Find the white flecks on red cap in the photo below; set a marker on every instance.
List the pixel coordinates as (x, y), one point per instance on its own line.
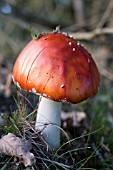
(78, 43)
(33, 90)
(70, 43)
(44, 95)
(62, 86)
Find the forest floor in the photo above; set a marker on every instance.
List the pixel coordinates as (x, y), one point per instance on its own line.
(86, 139)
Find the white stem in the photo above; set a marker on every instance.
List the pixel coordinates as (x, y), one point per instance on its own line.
(49, 113)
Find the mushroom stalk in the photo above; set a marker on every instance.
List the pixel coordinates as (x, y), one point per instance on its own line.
(48, 121)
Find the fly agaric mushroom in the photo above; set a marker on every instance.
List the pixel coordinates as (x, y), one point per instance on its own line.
(60, 69)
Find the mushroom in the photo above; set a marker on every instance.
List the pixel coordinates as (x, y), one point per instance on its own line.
(60, 69)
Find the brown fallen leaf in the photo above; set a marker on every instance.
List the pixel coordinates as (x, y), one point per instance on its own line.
(15, 146)
(73, 118)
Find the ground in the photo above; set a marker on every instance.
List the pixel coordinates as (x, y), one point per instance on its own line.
(86, 143)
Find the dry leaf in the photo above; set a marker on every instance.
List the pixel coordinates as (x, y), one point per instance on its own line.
(15, 146)
(73, 118)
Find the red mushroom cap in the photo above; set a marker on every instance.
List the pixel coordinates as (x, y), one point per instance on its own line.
(57, 67)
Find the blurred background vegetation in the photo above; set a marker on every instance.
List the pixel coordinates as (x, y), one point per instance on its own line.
(91, 22)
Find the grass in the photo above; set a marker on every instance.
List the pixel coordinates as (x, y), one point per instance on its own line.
(88, 146)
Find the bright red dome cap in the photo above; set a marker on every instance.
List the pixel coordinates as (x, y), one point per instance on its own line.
(57, 67)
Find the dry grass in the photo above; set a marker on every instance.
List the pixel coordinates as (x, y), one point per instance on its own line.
(83, 147)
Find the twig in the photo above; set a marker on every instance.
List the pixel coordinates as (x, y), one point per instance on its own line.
(98, 30)
(106, 15)
(92, 34)
(106, 73)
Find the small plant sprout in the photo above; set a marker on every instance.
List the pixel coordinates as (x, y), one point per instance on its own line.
(34, 35)
(58, 69)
